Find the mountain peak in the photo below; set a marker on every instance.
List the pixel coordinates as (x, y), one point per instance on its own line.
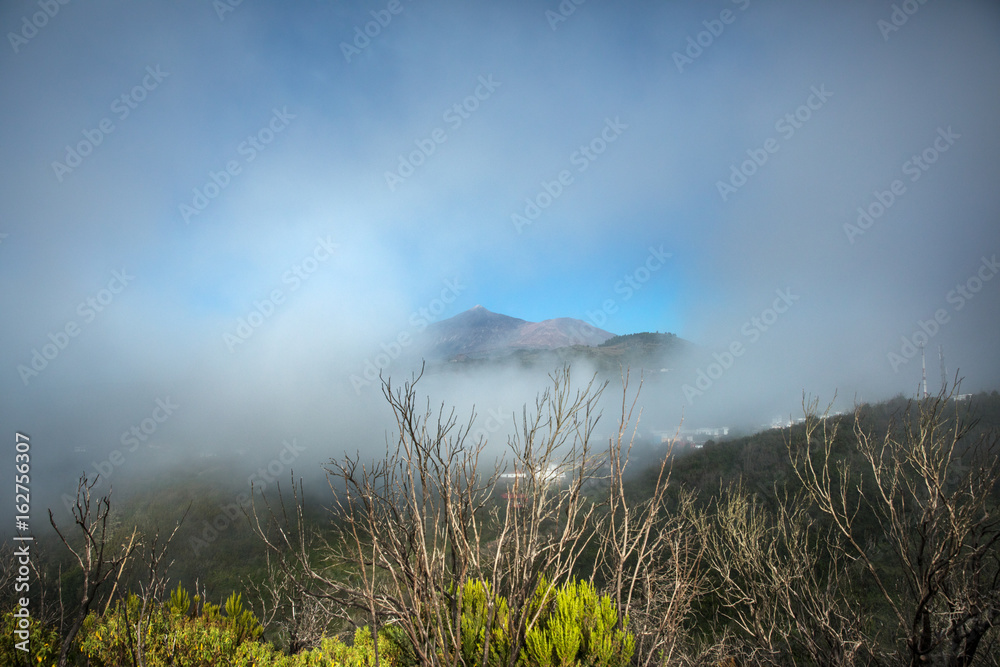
(479, 331)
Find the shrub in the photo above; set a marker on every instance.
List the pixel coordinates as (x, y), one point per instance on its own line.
(168, 635)
(577, 627)
(176, 635)
(475, 618)
(43, 643)
(574, 626)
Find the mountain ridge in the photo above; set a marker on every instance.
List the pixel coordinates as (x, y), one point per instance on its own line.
(481, 332)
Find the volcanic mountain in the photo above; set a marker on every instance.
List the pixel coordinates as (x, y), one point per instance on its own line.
(478, 332)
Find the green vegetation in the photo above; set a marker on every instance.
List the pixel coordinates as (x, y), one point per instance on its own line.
(575, 626)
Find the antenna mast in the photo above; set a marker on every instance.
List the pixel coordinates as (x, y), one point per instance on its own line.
(944, 371)
(923, 364)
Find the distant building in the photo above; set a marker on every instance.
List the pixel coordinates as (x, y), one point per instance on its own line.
(694, 437)
(551, 474)
(702, 433)
(783, 422)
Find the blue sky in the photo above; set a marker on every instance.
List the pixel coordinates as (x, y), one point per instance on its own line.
(668, 122)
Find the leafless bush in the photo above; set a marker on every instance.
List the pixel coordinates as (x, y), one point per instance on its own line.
(931, 494)
(784, 582)
(414, 527)
(98, 559)
(301, 620)
(650, 556)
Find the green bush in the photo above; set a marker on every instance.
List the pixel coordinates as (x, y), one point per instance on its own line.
(43, 643)
(475, 616)
(242, 622)
(575, 626)
(173, 634)
(168, 634)
(180, 601)
(392, 646)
